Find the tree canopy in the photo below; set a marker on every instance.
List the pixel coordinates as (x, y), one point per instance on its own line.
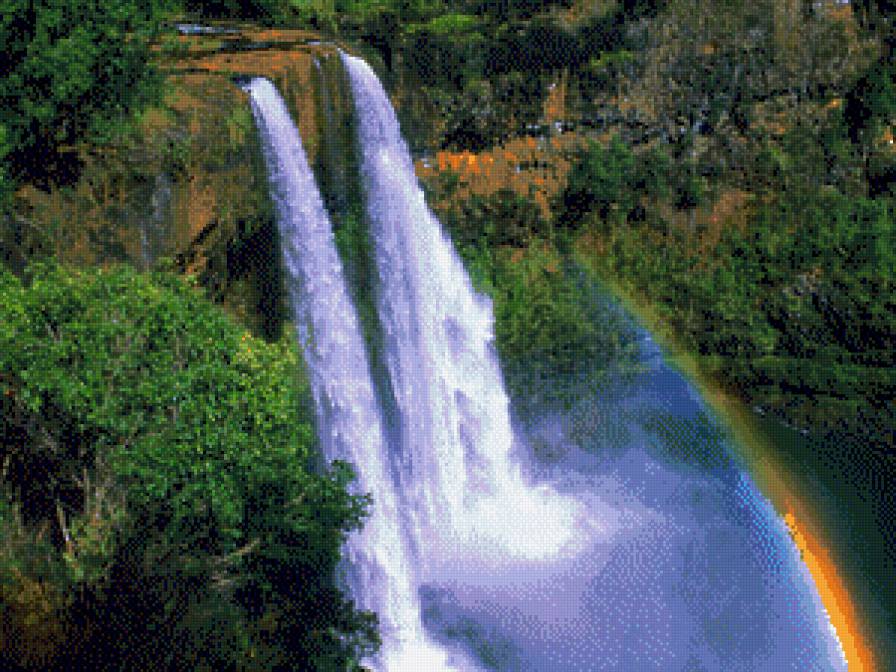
(158, 486)
(72, 70)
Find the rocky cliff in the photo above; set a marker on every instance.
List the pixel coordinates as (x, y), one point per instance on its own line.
(185, 187)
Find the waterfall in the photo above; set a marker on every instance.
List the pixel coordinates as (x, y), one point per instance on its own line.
(348, 419)
(150, 224)
(635, 566)
(468, 497)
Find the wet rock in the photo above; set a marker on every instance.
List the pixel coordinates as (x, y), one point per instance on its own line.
(187, 189)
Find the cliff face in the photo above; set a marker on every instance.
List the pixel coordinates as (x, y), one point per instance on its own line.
(186, 189)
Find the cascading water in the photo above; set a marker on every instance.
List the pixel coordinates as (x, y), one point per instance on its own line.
(601, 576)
(348, 419)
(643, 563)
(469, 497)
(150, 225)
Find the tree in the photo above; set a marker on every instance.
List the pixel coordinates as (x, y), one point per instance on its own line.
(270, 11)
(72, 70)
(871, 103)
(870, 114)
(602, 180)
(157, 480)
(874, 14)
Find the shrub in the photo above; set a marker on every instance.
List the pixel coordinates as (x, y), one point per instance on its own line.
(602, 180)
(269, 11)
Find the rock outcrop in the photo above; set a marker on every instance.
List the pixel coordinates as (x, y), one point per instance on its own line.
(186, 188)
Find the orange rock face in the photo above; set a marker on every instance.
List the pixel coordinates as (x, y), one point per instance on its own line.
(189, 185)
(534, 168)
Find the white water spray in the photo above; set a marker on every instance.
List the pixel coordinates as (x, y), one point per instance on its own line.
(470, 500)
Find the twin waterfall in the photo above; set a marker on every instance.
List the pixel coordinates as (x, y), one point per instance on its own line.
(648, 553)
(349, 424)
(449, 493)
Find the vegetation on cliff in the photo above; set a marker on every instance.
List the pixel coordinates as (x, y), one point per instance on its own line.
(161, 503)
(744, 185)
(554, 337)
(795, 310)
(72, 71)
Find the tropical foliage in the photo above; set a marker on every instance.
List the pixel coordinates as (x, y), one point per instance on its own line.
(72, 70)
(553, 334)
(796, 310)
(160, 494)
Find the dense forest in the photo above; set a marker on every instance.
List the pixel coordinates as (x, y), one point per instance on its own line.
(737, 172)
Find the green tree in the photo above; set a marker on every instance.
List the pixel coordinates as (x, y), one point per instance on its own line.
(269, 11)
(602, 180)
(6, 185)
(157, 478)
(72, 70)
(871, 102)
(875, 14)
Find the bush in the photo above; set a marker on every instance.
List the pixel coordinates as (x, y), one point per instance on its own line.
(871, 102)
(267, 11)
(689, 192)
(447, 25)
(615, 183)
(473, 120)
(602, 180)
(503, 10)
(163, 454)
